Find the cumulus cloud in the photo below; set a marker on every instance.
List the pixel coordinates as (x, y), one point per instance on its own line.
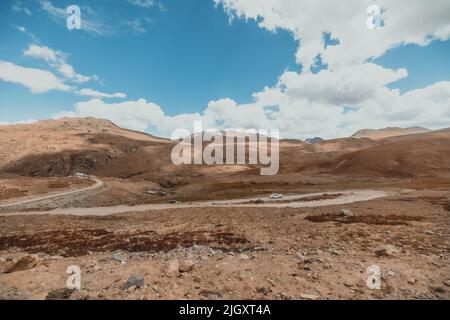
(299, 117)
(283, 107)
(351, 85)
(56, 59)
(36, 80)
(137, 115)
(406, 22)
(298, 111)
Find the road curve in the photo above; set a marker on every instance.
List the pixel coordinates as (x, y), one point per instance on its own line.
(98, 184)
(349, 196)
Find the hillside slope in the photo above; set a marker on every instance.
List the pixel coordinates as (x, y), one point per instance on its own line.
(62, 147)
(402, 156)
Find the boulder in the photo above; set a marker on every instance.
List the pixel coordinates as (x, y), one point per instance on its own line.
(59, 294)
(173, 268)
(119, 257)
(135, 280)
(186, 265)
(309, 296)
(244, 257)
(4, 264)
(387, 250)
(347, 213)
(26, 262)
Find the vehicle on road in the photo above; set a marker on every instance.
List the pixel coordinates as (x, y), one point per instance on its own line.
(276, 196)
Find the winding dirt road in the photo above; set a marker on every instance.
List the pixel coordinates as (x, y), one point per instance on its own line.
(98, 184)
(292, 201)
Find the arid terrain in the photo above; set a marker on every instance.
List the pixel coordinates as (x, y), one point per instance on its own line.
(85, 192)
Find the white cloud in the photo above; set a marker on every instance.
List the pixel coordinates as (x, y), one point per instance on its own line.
(137, 115)
(21, 28)
(300, 117)
(57, 60)
(350, 85)
(42, 52)
(300, 106)
(36, 80)
(98, 94)
(297, 115)
(406, 21)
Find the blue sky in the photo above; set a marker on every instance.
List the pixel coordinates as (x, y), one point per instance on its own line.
(188, 55)
(425, 65)
(193, 58)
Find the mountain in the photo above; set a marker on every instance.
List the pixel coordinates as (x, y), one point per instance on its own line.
(414, 155)
(127, 159)
(61, 147)
(376, 134)
(314, 140)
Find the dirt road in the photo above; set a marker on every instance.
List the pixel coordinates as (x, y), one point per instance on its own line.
(98, 184)
(292, 201)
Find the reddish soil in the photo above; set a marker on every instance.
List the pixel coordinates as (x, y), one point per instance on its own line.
(11, 193)
(78, 242)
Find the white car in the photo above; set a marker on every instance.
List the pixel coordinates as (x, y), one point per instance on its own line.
(276, 196)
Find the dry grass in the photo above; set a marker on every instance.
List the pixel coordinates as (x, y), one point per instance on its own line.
(391, 220)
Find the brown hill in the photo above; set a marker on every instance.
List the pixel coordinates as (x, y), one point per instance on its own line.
(62, 147)
(401, 156)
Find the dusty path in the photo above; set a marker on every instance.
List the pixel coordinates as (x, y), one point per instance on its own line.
(98, 184)
(348, 196)
(296, 201)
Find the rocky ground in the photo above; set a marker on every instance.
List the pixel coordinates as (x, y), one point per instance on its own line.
(235, 253)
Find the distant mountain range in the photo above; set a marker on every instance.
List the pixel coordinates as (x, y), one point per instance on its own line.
(376, 134)
(93, 146)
